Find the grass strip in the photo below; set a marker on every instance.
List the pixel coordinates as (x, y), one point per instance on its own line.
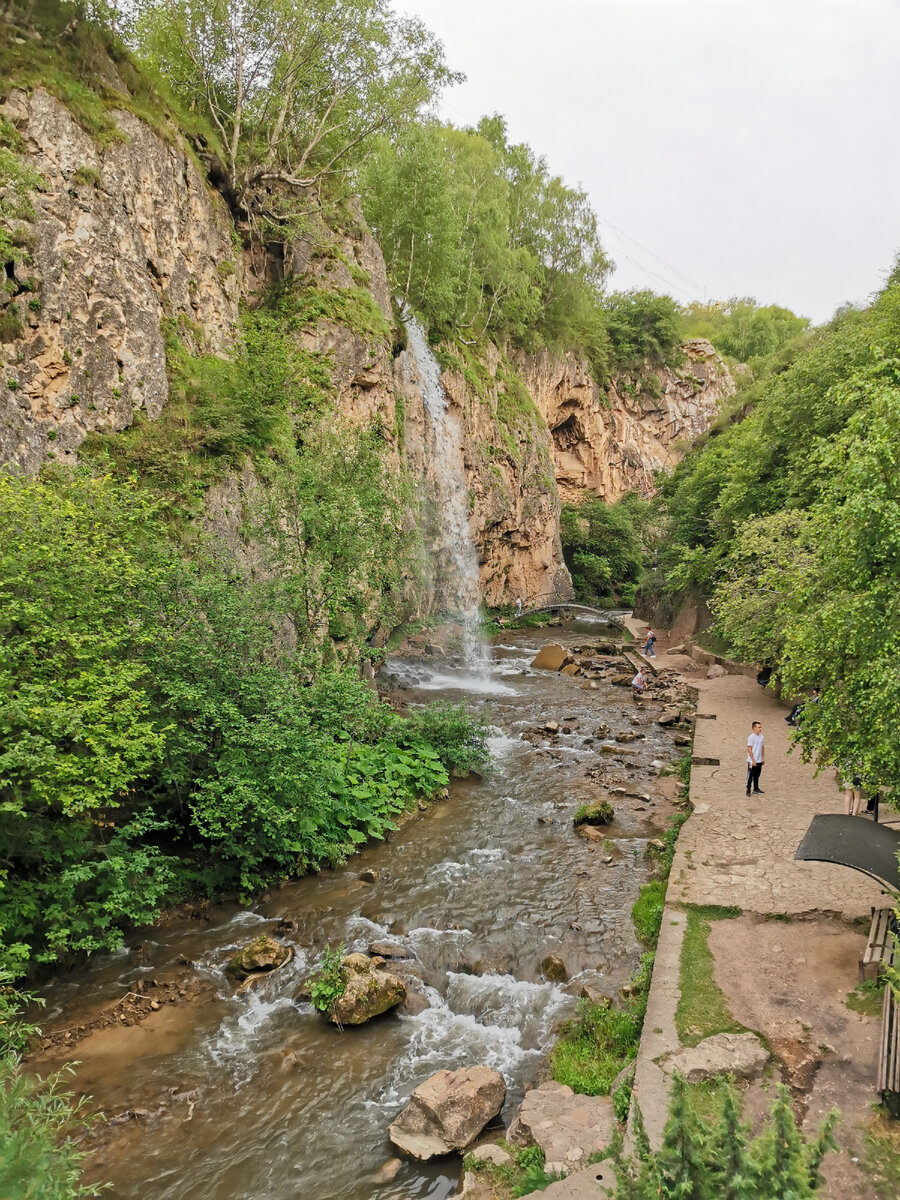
(702, 1009)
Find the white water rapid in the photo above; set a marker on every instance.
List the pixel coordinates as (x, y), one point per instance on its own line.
(448, 473)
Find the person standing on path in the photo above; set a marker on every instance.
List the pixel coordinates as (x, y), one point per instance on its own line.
(649, 652)
(756, 757)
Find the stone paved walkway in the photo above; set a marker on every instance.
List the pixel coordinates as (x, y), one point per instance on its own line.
(739, 851)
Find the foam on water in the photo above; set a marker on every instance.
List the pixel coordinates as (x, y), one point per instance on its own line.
(497, 1021)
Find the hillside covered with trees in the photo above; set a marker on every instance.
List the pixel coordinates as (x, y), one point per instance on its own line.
(789, 521)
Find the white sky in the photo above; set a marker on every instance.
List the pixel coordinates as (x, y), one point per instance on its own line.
(745, 147)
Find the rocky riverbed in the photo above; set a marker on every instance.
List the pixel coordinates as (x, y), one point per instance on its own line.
(470, 900)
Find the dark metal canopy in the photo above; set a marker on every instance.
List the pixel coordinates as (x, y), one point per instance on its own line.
(853, 842)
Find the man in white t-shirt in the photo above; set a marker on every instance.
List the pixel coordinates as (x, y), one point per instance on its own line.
(756, 756)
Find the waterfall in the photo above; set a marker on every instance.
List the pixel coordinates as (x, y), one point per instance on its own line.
(461, 581)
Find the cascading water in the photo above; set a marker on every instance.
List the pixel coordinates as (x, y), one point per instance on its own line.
(448, 471)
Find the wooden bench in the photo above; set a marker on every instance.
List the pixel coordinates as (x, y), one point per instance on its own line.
(881, 946)
(889, 1054)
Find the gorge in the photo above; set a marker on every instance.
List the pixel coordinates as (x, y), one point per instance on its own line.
(301, 389)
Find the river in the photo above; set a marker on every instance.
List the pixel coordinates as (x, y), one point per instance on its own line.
(253, 1095)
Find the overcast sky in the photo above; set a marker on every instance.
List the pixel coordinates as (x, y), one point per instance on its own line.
(730, 147)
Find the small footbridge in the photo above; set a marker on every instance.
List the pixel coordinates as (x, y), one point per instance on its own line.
(612, 616)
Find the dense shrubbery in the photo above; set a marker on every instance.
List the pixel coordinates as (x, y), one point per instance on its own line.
(602, 548)
(162, 734)
(742, 329)
(790, 520)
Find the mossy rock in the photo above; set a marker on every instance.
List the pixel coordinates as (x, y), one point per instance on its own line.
(600, 813)
(262, 954)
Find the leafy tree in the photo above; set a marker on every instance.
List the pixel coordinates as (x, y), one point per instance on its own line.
(789, 519)
(741, 328)
(602, 548)
(295, 88)
(642, 327)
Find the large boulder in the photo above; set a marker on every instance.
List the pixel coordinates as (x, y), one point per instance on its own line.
(448, 1111)
(262, 954)
(740, 1054)
(567, 1127)
(552, 658)
(368, 991)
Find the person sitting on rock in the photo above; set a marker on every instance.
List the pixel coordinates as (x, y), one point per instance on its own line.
(639, 684)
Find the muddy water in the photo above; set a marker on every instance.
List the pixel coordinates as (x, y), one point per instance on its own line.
(253, 1095)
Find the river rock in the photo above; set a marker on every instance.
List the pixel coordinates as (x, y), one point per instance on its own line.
(388, 950)
(568, 1128)
(387, 1172)
(716, 671)
(570, 669)
(554, 970)
(668, 716)
(492, 1153)
(368, 991)
(448, 1111)
(552, 658)
(262, 954)
(741, 1054)
(369, 875)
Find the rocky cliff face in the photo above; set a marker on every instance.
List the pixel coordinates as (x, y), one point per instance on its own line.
(130, 244)
(612, 441)
(124, 238)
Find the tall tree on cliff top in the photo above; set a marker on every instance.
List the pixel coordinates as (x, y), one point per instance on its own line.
(294, 88)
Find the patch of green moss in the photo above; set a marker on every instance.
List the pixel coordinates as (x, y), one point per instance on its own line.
(301, 307)
(92, 73)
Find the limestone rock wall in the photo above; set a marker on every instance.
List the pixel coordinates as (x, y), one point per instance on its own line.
(513, 499)
(129, 239)
(124, 237)
(612, 441)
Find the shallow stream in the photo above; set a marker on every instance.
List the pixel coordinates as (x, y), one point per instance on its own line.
(253, 1095)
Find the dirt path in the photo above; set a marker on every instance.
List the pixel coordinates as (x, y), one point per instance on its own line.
(788, 962)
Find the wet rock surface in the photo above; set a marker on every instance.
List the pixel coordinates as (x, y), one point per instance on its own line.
(261, 955)
(368, 991)
(448, 1111)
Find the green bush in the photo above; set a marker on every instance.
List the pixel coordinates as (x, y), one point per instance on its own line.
(715, 1158)
(161, 737)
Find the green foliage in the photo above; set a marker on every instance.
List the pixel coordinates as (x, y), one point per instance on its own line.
(647, 911)
(602, 548)
(480, 239)
(702, 1008)
(18, 182)
(40, 1122)
(791, 520)
(867, 997)
(742, 329)
(162, 734)
(219, 411)
(882, 1159)
(329, 983)
(523, 1176)
(716, 1159)
(602, 1039)
(643, 329)
(295, 88)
